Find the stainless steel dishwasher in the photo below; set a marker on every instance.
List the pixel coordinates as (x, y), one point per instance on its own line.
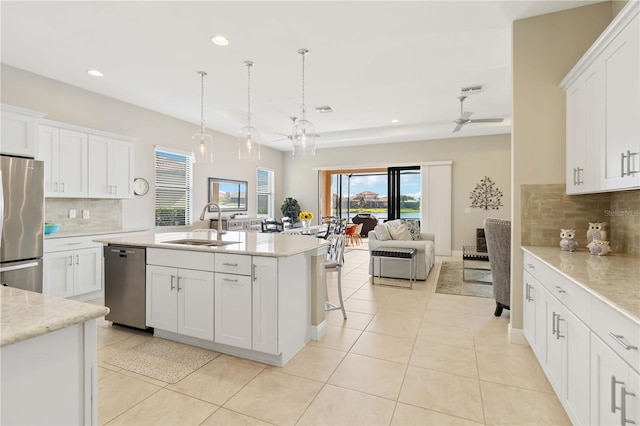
(125, 285)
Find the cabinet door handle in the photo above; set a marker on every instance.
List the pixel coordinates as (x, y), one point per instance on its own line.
(254, 270)
(56, 184)
(614, 382)
(558, 335)
(559, 289)
(553, 323)
(618, 338)
(623, 406)
(70, 260)
(115, 189)
(77, 259)
(622, 173)
(578, 180)
(172, 284)
(179, 283)
(62, 186)
(229, 264)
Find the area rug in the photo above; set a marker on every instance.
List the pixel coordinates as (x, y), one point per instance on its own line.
(163, 360)
(450, 281)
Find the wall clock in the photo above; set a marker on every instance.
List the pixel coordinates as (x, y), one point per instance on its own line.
(140, 186)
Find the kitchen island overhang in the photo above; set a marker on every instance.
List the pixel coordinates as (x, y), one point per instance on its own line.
(265, 292)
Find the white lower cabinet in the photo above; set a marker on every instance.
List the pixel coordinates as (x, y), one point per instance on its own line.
(246, 302)
(615, 387)
(180, 300)
(535, 317)
(72, 272)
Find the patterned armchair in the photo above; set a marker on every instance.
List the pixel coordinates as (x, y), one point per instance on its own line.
(498, 235)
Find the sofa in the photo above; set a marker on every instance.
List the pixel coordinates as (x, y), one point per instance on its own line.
(396, 233)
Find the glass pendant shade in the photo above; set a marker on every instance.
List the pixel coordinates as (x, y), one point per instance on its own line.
(202, 147)
(248, 144)
(249, 137)
(304, 143)
(202, 142)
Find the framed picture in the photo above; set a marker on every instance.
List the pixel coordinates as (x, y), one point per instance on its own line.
(230, 195)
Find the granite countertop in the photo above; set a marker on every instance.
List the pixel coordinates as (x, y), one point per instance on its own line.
(85, 232)
(253, 243)
(25, 314)
(614, 278)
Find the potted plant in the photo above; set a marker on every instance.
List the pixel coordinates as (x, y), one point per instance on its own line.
(290, 208)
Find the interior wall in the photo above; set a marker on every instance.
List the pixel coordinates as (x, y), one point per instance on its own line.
(545, 48)
(473, 158)
(70, 104)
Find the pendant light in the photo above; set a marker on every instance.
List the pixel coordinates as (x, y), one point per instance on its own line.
(304, 143)
(249, 138)
(202, 141)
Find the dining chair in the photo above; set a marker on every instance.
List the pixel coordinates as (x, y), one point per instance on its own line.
(356, 236)
(350, 233)
(334, 263)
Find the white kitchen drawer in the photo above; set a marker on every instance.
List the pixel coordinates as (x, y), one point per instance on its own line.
(183, 259)
(570, 294)
(71, 243)
(617, 331)
(233, 263)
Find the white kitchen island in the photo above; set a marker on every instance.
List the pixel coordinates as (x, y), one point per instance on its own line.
(48, 352)
(255, 295)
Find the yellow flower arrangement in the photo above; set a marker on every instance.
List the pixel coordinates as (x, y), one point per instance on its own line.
(305, 215)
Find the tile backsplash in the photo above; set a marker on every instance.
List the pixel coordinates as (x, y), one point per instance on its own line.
(624, 220)
(103, 214)
(547, 208)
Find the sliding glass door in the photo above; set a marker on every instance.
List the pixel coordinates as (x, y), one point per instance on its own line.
(405, 192)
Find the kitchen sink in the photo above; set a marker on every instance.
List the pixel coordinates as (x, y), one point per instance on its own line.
(194, 242)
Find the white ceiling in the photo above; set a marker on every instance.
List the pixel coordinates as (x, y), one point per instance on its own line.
(372, 61)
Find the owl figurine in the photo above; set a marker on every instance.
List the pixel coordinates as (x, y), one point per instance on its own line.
(599, 247)
(596, 231)
(567, 242)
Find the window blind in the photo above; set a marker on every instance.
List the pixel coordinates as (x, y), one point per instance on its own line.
(173, 188)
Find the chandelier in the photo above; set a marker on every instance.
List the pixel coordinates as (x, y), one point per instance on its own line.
(303, 136)
(249, 138)
(202, 142)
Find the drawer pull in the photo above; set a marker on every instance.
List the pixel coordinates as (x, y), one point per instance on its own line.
(229, 264)
(559, 289)
(623, 406)
(530, 266)
(229, 280)
(618, 338)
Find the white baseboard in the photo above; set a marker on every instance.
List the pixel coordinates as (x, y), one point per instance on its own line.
(516, 336)
(319, 331)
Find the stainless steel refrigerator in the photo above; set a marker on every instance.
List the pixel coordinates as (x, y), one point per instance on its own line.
(21, 222)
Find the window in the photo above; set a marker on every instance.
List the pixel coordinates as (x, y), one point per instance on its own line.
(173, 187)
(264, 192)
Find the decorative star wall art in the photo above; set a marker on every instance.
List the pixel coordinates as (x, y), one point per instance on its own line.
(486, 195)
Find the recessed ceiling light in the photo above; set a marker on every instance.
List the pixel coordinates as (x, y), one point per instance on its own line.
(95, 73)
(395, 120)
(219, 40)
(324, 109)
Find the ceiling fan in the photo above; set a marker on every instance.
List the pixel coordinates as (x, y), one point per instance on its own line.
(464, 117)
(290, 137)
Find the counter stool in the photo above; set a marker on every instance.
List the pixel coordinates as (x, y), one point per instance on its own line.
(333, 263)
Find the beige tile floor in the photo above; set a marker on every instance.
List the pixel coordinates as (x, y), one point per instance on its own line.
(403, 357)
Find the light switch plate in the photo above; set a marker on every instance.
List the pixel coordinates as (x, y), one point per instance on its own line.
(85, 214)
(72, 214)
(467, 210)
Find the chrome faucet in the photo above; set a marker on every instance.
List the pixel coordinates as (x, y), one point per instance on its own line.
(204, 211)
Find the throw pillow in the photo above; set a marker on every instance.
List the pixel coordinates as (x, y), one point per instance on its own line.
(382, 232)
(414, 229)
(400, 232)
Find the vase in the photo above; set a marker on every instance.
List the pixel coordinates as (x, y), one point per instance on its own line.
(305, 223)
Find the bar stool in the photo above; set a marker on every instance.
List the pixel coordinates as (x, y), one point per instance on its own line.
(333, 263)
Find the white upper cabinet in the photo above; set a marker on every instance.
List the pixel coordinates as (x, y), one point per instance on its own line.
(84, 163)
(19, 131)
(622, 138)
(603, 106)
(111, 171)
(64, 153)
